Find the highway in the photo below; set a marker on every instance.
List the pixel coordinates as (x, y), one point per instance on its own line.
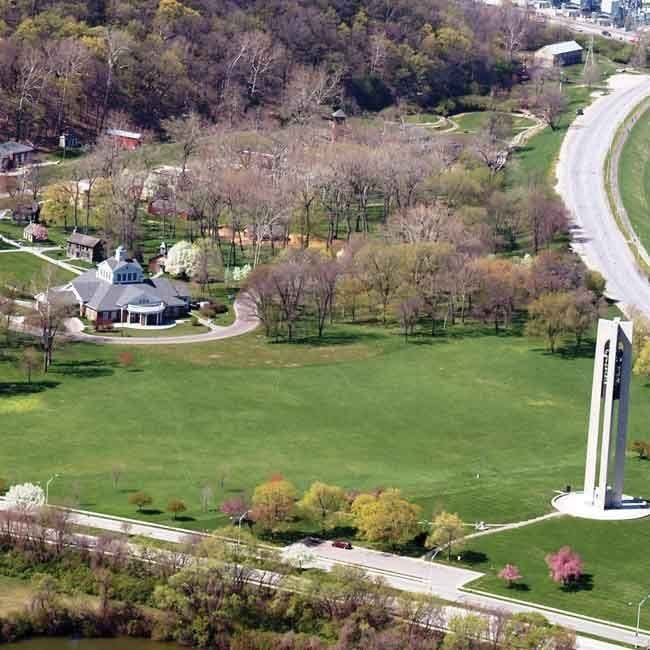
(581, 184)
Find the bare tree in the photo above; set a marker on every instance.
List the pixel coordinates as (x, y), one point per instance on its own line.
(309, 89)
(48, 318)
(117, 45)
(185, 131)
(550, 104)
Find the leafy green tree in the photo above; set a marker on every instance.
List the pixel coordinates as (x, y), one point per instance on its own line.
(140, 499)
(549, 317)
(447, 530)
(175, 507)
(274, 504)
(387, 518)
(323, 503)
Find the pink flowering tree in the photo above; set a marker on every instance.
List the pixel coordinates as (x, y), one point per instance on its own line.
(39, 232)
(565, 566)
(234, 507)
(510, 574)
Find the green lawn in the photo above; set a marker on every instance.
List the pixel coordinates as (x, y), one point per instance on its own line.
(363, 409)
(537, 157)
(24, 270)
(182, 329)
(634, 177)
(616, 563)
(474, 122)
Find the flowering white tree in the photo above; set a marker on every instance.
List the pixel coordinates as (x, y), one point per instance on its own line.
(182, 259)
(25, 496)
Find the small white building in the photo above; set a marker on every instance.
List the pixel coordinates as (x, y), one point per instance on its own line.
(560, 54)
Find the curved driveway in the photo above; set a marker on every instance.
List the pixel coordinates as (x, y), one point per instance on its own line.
(581, 183)
(245, 321)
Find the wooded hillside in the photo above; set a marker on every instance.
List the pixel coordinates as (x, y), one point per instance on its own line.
(75, 64)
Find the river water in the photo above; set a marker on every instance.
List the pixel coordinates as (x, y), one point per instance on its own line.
(90, 644)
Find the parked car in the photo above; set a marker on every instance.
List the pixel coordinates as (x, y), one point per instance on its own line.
(606, 33)
(341, 543)
(311, 541)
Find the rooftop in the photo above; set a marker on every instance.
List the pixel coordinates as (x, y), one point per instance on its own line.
(10, 147)
(132, 135)
(561, 48)
(83, 240)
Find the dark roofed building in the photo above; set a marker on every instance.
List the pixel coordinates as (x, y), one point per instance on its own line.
(14, 155)
(26, 213)
(84, 247)
(118, 292)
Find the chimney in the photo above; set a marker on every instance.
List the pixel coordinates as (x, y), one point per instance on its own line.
(120, 254)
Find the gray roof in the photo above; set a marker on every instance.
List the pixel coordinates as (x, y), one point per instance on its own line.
(83, 240)
(560, 48)
(10, 148)
(132, 135)
(104, 296)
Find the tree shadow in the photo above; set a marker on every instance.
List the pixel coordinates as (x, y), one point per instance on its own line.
(85, 369)
(183, 518)
(474, 557)
(335, 338)
(519, 586)
(13, 388)
(150, 511)
(584, 583)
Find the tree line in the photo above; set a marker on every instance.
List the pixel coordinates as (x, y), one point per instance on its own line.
(73, 64)
(236, 598)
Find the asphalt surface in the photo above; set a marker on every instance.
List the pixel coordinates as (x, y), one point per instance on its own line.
(245, 321)
(581, 183)
(405, 574)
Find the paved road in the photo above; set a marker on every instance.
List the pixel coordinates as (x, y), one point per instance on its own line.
(245, 321)
(447, 582)
(580, 174)
(406, 574)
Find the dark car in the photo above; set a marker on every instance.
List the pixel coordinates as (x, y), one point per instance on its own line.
(341, 543)
(606, 33)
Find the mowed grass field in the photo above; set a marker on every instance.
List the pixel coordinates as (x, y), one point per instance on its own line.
(27, 272)
(614, 554)
(487, 426)
(634, 177)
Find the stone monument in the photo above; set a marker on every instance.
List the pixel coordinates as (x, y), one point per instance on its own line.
(603, 497)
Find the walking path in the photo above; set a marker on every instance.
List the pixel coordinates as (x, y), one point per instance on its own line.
(40, 251)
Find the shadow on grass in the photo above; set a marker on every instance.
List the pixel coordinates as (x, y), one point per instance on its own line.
(183, 518)
(474, 557)
(519, 587)
(584, 583)
(335, 338)
(86, 369)
(150, 511)
(14, 388)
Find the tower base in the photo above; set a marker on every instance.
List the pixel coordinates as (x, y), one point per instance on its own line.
(573, 503)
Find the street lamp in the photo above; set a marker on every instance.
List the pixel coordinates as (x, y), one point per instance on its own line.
(638, 619)
(239, 530)
(47, 488)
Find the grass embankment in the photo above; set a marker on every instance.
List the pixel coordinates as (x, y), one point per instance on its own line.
(23, 270)
(615, 564)
(181, 329)
(634, 177)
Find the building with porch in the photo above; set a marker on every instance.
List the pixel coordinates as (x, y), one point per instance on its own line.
(118, 292)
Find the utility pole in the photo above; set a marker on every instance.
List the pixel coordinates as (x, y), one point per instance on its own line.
(589, 59)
